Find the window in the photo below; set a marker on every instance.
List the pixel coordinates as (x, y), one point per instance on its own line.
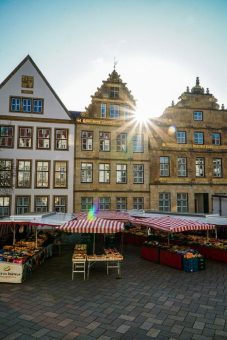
(60, 204)
(121, 173)
(4, 206)
(27, 105)
(15, 104)
(114, 111)
(182, 202)
(138, 203)
(61, 139)
(138, 173)
(104, 173)
(137, 143)
(43, 138)
(24, 173)
(6, 136)
(198, 137)
(86, 172)
(42, 174)
(126, 113)
(217, 167)
(25, 137)
(6, 173)
(182, 167)
(181, 137)
(22, 204)
(60, 174)
(104, 203)
(198, 115)
(164, 201)
(41, 204)
(86, 203)
(104, 141)
(121, 203)
(103, 110)
(200, 167)
(164, 166)
(114, 92)
(216, 138)
(122, 142)
(87, 140)
(38, 105)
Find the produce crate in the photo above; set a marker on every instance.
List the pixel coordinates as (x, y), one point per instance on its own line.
(190, 265)
(201, 263)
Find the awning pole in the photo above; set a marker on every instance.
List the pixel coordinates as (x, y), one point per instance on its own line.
(36, 237)
(93, 244)
(14, 234)
(216, 233)
(168, 239)
(122, 235)
(207, 235)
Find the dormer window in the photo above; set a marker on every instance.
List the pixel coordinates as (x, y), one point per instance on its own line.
(114, 92)
(198, 115)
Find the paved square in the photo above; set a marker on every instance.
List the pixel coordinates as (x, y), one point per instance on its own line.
(149, 301)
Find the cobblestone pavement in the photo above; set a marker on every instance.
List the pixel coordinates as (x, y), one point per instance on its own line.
(149, 301)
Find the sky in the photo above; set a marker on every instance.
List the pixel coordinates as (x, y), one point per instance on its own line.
(161, 46)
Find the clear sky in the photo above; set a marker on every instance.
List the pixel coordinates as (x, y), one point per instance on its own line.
(161, 46)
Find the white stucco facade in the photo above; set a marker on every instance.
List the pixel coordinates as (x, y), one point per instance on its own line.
(54, 117)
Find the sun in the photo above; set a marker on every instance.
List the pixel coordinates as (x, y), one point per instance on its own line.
(141, 117)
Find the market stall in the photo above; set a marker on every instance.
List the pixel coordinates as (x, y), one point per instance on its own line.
(27, 250)
(182, 258)
(81, 261)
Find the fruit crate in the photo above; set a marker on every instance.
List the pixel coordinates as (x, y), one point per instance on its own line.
(201, 263)
(190, 265)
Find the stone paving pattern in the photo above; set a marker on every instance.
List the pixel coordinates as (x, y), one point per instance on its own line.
(149, 301)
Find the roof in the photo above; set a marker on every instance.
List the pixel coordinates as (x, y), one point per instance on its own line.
(28, 58)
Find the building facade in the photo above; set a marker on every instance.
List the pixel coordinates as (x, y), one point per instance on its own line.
(36, 145)
(54, 160)
(112, 167)
(189, 142)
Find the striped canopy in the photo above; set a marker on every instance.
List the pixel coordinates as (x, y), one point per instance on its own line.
(171, 223)
(96, 226)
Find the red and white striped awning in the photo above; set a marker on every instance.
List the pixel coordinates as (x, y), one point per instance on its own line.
(171, 224)
(96, 226)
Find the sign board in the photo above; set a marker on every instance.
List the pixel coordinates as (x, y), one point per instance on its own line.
(11, 272)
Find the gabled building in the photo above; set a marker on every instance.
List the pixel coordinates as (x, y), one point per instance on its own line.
(189, 154)
(111, 151)
(36, 145)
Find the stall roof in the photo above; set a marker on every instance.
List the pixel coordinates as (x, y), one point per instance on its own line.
(51, 219)
(96, 226)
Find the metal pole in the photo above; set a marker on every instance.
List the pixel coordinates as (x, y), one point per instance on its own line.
(168, 239)
(216, 233)
(207, 235)
(93, 244)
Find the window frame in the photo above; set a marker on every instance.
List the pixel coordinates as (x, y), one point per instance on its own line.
(103, 110)
(182, 138)
(184, 165)
(42, 138)
(114, 111)
(60, 205)
(138, 147)
(121, 142)
(104, 143)
(197, 138)
(198, 116)
(164, 166)
(121, 201)
(83, 170)
(87, 139)
(47, 205)
(56, 148)
(137, 204)
(181, 207)
(88, 205)
(23, 172)
(166, 198)
(9, 197)
(200, 166)
(5, 171)
(214, 160)
(19, 137)
(22, 206)
(48, 176)
(106, 172)
(214, 140)
(21, 106)
(122, 172)
(59, 172)
(8, 136)
(137, 174)
(106, 203)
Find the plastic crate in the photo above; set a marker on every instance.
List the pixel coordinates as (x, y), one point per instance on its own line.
(190, 265)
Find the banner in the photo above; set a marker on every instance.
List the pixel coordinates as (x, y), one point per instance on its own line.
(11, 272)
